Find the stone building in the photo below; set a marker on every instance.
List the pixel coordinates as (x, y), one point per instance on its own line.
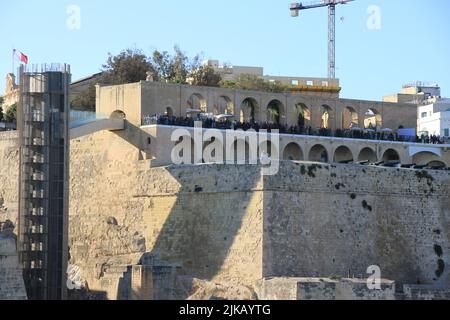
(138, 100)
(11, 95)
(310, 86)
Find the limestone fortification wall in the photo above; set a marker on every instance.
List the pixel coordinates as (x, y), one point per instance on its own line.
(336, 220)
(208, 220)
(9, 176)
(12, 286)
(11, 282)
(229, 224)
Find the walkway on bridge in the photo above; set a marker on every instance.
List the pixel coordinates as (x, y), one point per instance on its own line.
(85, 123)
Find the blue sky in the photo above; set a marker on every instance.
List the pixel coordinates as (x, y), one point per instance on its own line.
(412, 44)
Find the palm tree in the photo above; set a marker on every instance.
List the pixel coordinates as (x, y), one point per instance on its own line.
(300, 110)
(248, 104)
(274, 113)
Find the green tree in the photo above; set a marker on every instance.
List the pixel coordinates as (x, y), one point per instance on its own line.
(179, 66)
(131, 65)
(162, 65)
(253, 82)
(85, 100)
(173, 69)
(11, 114)
(205, 76)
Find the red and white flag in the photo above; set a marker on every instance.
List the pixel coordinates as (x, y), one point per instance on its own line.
(20, 56)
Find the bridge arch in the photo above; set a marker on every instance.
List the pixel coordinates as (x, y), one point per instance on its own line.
(318, 153)
(424, 157)
(343, 154)
(249, 110)
(118, 114)
(368, 154)
(293, 152)
(391, 155)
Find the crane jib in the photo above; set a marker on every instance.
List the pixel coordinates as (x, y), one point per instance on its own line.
(331, 4)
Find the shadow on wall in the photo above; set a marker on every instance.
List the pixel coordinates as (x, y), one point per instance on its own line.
(205, 231)
(137, 137)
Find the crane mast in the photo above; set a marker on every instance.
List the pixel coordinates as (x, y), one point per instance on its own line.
(331, 4)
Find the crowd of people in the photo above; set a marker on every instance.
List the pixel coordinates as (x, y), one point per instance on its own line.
(432, 139)
(229, 123)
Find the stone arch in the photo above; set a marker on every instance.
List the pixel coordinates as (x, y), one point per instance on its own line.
(303, 115)
(343, 154)
(373, 119)
(318, 153)
(118, 114)
(350, 118)
(390, 155)
(169, 112)
(293, 152)
(424, 158)
(198, 102)
(224, 106)
(249, 110)
(275, 111)
(326, 115)
(367, 154)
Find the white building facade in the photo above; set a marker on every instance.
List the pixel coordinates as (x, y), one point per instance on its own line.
(434, 118)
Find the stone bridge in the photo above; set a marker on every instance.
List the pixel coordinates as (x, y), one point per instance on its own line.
(159, 145)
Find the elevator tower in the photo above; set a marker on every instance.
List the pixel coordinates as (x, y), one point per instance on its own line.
(43, 124)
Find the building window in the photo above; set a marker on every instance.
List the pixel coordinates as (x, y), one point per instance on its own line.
(309, 83)
(424, 114)
(446, 132)
(294, 82)
(325, 83)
